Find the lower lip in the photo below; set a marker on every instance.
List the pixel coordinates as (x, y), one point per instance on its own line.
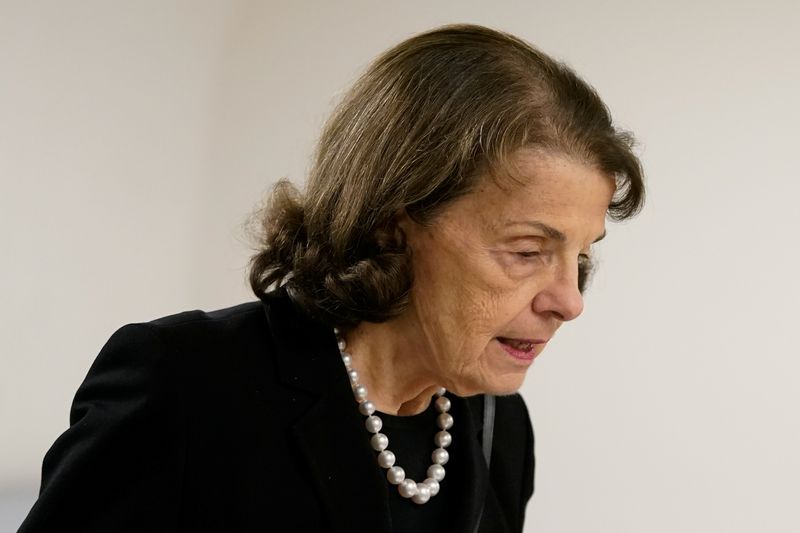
(520, 355)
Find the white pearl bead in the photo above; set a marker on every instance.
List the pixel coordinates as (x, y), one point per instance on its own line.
(445, 421)
(386, 459)
(440, 456)
(423, 493)
(373, 424)
(379, 442)
(347, 360)
(441, 391)
(353, 376)
(407, 488)
(442, 404)
(443, 439)
(360, 392)
(396, 475)
(342, 345)
(433, 485)
(436, 471)
(366, 408)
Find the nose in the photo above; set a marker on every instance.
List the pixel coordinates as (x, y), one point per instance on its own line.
(561, 297)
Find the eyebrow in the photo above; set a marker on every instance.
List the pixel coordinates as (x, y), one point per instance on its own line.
(551, 232)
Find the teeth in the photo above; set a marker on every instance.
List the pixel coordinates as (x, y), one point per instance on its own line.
(519, 345)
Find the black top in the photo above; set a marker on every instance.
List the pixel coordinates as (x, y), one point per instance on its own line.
(243, 420)
(411, 440)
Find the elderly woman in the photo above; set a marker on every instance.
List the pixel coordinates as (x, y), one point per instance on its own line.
(444, 236)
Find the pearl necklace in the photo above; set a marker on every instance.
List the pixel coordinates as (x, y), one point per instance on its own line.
(408, 488)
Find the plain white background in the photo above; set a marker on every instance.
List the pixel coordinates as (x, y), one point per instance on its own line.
(136, 137)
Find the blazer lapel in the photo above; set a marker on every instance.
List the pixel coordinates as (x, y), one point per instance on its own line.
(350, 484)
(469, 411)
(331, 433)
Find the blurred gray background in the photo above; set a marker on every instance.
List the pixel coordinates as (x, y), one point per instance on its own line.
(136, 137)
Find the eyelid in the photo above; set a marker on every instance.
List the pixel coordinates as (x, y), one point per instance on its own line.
(585, 270)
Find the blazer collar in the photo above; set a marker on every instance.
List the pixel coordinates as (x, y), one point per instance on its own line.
(328, 430)
(306, 354)
(331, 435)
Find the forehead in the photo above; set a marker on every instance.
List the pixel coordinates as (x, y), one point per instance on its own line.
(542, 183)
(541, 169)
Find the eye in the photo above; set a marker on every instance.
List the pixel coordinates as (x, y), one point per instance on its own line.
(528, 254)
(585, 267)
(522, 261)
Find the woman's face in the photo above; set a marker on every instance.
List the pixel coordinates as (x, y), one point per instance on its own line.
(496, 273)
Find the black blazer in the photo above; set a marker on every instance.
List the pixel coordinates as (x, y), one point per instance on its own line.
(243, 420)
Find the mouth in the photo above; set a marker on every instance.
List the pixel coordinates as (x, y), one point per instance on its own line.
(522, 349)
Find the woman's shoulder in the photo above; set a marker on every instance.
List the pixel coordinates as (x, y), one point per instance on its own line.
(193, 331)
(223, 315)
(237, 325)
(228, 320)
(158, 394)
(197, 348)
(202, 346)
(234, 321)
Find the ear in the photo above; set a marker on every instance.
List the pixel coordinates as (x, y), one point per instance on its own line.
(392, 235)
(403, 221)
(406, 230)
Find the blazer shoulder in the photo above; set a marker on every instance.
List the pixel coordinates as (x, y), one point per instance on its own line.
(226, 318)
(195, 344)
(197, 330)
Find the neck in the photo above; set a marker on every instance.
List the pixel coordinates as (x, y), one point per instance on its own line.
(391, 365)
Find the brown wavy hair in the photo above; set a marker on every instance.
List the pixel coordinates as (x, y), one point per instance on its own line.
(417, 130)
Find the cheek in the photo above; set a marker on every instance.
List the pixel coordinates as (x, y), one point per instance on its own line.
(509, 303)
(455, 313)
(464, 297)
(477, 316)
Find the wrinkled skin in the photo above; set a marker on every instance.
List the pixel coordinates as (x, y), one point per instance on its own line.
(501, 262)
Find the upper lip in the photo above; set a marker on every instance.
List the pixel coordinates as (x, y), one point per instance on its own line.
(531, 341)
